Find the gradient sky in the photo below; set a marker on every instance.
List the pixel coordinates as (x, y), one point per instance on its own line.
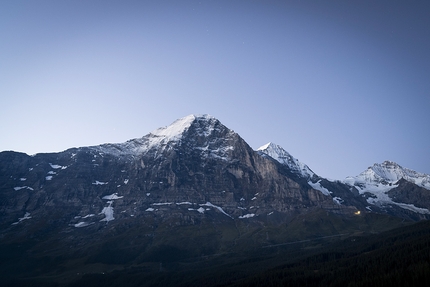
(340, 85)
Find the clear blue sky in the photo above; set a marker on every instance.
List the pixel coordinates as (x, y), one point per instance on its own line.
(339, 84)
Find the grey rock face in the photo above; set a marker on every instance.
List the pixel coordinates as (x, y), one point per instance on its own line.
(194, 169)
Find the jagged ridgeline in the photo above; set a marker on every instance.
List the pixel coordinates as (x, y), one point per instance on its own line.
(192, 189)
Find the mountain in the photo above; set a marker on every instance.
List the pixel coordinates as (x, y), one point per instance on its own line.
(390, 172)
(388, 185)
(194, 188)
(193, 167)
(282, 156)
(196, 165)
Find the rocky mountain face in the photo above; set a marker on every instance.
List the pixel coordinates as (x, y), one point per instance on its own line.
(192, 167)
(193, 187)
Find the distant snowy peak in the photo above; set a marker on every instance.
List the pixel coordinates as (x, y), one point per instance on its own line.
(379, 179)
(282, 156)
(388, 173)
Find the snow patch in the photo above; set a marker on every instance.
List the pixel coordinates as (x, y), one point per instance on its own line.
(26, 216)
(49, 177)
(413, 208)
(319, 187)
(185, 202)
(338, 200)
(112, 196)
(108, 212)
(249, 215)
(200, 210)
(55, 166)
(125, 181)
(22, 187)
(83, 224)
(217, 207)
(150, 209)
(99, 183)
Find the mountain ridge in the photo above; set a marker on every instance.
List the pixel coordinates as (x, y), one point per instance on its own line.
(188, 190)
(199, 137)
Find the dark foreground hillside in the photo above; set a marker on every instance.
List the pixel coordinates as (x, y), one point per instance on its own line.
(399, 257)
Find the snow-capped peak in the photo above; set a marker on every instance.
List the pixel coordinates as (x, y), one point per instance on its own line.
(199, 127)
(175, 130)
(388, 173)
(381, 178)
(282, 156)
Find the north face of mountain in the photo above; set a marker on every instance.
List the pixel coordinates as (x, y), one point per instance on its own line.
(191, 169)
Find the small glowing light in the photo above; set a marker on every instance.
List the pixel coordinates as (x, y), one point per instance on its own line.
(357, 212)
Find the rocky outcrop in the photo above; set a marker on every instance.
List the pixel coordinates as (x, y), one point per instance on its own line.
(409, 193)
